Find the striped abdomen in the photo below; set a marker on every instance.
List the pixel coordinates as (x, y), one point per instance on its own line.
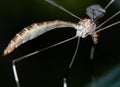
(34, 31)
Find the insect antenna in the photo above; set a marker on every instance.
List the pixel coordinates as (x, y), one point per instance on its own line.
(109, 4)
(62, 8)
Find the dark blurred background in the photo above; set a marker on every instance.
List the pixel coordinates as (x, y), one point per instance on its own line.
(47, 68)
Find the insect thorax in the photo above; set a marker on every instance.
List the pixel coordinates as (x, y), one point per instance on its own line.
(87, 27)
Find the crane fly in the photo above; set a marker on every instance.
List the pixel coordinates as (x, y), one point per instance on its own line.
(84, 28)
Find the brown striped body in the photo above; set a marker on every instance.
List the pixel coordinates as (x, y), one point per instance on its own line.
(84, 28)
(33, 31)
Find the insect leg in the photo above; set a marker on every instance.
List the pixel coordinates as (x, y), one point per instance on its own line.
(108, 26)
(109, 4)
(15, 73)
(63, 9)
(70, 65)
(31, 54)
(117, 13)
(92, 52)
(93, 84)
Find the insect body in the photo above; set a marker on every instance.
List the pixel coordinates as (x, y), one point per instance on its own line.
(84, 28)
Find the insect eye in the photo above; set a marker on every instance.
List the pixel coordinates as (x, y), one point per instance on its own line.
(95, 11)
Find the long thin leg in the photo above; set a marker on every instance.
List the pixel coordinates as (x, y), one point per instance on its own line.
(63, 9)
(93, 84)
(118, 22)
(109, 4)
(92, 53)
(117, 13)
(15, 74)
(70, 65)
(31, 54)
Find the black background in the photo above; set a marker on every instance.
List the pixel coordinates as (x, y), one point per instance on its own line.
(47, 68)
